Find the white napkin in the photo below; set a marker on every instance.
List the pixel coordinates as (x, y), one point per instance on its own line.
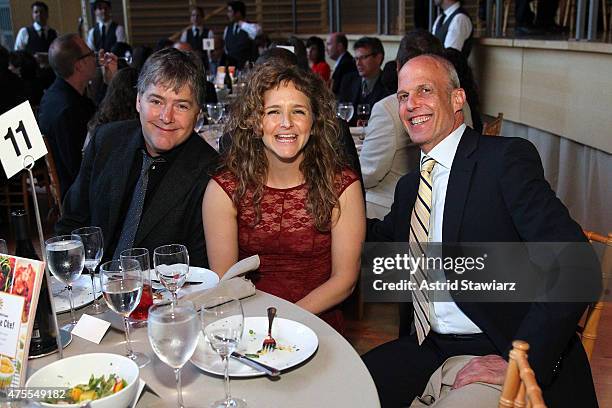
(241, 267)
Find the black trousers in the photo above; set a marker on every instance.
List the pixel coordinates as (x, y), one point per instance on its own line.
(401, 368)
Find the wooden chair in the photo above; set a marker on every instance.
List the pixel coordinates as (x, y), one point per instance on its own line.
(493, 128)
(588, 329)
(520, 387)
(54, 184)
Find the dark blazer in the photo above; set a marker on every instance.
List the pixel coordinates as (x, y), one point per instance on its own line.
(174, 214)
(350, 91)
(346, 65)
(62, 116)
(497, 193)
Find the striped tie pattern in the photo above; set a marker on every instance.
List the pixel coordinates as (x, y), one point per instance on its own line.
(419, 233)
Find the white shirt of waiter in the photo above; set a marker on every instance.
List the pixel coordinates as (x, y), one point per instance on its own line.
(459, 29)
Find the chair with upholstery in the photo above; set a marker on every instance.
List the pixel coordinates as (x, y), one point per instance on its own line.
(590, 322)
(520, 387)
(493, 128)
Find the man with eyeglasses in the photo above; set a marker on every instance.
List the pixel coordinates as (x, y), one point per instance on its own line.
(364, 87)
(64, 109)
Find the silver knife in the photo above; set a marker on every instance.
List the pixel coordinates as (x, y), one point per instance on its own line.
(271, 371)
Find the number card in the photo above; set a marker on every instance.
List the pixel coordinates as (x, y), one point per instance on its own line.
(19, 138)
(208, 44)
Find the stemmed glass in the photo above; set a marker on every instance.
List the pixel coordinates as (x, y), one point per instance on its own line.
(215, 111)
(222, 324)
(141, 255)
(122, 288)
(363, 114)
(3, 247)
(65, 259)
(173, 334)
(172, 266)
(345, 111)
(93, 243)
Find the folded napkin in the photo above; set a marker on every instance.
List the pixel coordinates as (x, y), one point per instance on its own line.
(237, 288)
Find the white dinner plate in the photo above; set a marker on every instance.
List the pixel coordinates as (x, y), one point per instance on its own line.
(81, 293)
(296, 343)
(196, 275)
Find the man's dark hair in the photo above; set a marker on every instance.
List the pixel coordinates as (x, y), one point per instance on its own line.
(238, 7)
(64, 52)
(200, 10)
(372, 43)
(415, 43)
(97, 3)
(280, 55)
(341, 38)
(40, 4)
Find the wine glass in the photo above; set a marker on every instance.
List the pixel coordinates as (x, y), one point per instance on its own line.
(199, 125)
(172, 266)
(345, 111)
(122, 288)
(140, 314)
(222, 324)
(215, 111)
(173, 334)
(363, 114)
(93, 244)
(65, 259)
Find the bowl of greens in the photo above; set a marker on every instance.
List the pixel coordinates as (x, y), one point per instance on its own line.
(105, 380)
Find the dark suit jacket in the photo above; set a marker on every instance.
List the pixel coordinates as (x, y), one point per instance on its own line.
(174, 214)
(62, 116)
(345, 66)
(350, 91)
(497, 193)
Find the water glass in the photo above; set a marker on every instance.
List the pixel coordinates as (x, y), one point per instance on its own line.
(222, 324)
(345, 111)
(122, 289)
(172, 267)
(3, 247)
(215, 111)
(93, 244)
(65, 259)
(141, 255)
(173, 333)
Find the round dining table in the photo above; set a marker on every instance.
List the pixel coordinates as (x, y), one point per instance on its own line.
(334, 376)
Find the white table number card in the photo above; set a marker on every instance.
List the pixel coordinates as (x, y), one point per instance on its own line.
(20, 137)
(20, 281)
(208, 44)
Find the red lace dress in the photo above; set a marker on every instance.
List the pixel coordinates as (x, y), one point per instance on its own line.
(295, 257)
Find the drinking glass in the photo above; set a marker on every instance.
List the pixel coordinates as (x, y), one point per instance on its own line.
(140, 314)
(122, 288)
(199, 125)
(173, 334)
(222, 324)
(3, 247)
(215, 111)
(363, 114)
(345, 111)
(172, 266)
(65, 259)
(93, 244)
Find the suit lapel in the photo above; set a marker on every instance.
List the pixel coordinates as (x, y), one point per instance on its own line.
(459, 185)
(406, 210)
(178, 181)
(123, 160)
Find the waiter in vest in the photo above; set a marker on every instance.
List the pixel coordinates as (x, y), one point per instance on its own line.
(196, 32)
(37, 37)
(453, 27)
(239, 34)
(105, 33)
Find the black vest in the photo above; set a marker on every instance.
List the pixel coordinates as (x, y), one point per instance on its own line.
(239, 46)
(110, 37)
(442, 30)
(196, 41)
(36, 43)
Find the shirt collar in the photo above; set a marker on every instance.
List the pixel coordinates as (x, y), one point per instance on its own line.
(37, 26)
(451, 9)
(444, 152)
(338, 60)
(201, 28)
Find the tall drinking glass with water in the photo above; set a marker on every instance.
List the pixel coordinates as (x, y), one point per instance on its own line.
(173, 333)
(141, 255)
(222, 324)
(172, 267)
(93, 244)
(65, 259)
(345, 111)
(122, 288)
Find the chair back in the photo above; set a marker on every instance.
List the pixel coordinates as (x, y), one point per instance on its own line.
(493, 128)
(53, 178)
(588, 330)
(520, 387)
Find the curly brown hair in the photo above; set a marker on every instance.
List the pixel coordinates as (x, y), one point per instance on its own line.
(323, 158)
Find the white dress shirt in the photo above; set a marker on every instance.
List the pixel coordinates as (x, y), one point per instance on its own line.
(445, 317)
(22, 36)
(459, 29)
(119, 33)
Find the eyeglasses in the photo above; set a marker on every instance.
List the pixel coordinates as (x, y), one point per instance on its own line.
(363, 57)
(89, 54)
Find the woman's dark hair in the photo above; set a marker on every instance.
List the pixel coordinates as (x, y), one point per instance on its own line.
(119, 103)
(319, 45)
(469, 85)
(299, 49)
(28, 67)
(140, 55)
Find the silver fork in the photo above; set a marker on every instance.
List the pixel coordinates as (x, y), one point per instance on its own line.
(269, 343)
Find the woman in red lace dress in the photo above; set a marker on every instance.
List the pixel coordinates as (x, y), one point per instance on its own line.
(285, 194)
